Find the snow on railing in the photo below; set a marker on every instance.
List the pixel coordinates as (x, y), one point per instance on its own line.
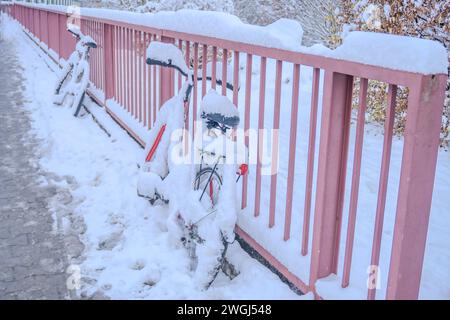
(295, 102)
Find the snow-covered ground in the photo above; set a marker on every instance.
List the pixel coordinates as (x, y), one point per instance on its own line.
(127, 242)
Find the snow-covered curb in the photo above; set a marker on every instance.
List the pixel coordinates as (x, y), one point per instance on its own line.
(377, 49)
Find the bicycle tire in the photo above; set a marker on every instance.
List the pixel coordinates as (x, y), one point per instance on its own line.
(202, 177)
(66, 79)
(191, 240)
(79, 105)
(218, 267)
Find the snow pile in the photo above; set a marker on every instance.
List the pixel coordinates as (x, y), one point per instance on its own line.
(229, 27)
(393, 52)
(149, 184)
(214, 103)
(206, 23)
(287, 31)
(152, 172)
(171, 115)
(172, 180)
(168, 54)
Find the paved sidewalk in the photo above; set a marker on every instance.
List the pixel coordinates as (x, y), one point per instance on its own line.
(33, 258)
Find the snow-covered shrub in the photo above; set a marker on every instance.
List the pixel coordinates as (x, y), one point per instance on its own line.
(377, 95)
(160, 5)
(428, 19)
(100, 3)
(314, 16)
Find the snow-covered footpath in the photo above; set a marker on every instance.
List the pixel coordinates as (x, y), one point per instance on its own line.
(129, 253)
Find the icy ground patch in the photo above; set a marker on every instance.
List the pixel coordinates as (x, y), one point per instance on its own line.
(128, 250)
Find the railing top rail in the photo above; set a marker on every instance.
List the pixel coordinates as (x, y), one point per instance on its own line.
(353, 68)
(356, 69)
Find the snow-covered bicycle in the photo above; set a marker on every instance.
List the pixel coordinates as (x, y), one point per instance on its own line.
(204, 224)
(74, 79)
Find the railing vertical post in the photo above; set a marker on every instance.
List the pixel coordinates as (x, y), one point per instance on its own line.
(35, 29)
(61, 21)
(108, 55)
(425, 103)
(58, 37)
(47, 30)
(166, 85)
(336, 111)
(39, 29)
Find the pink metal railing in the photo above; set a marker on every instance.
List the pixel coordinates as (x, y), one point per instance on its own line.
(120, 73)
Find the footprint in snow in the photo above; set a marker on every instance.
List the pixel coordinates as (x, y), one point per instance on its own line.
(96, 182)
(138, 265)
(106, 287)
(115, 219)
(150, 282)
(111, 241)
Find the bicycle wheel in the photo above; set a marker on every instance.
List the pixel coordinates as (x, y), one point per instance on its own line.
(192, 242)
(65, 79)
(209, 182)
(220, 262)
(79, 103)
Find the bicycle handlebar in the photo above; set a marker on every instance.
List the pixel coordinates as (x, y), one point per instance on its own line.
(219, 82)
(76, 35)
(154, 62)
(173, 66)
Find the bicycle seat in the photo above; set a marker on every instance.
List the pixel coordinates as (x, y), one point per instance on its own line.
(219, 111)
